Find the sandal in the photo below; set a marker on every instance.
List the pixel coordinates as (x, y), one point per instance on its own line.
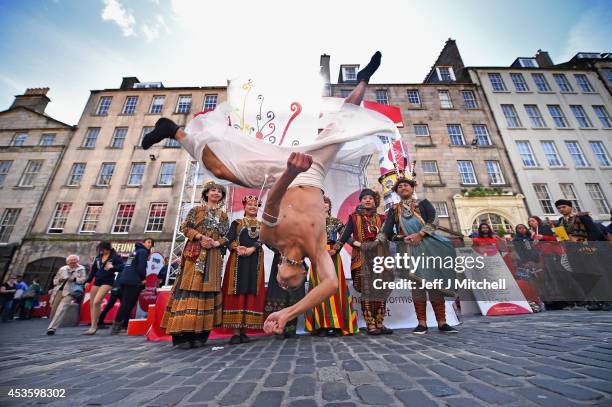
(90, 332)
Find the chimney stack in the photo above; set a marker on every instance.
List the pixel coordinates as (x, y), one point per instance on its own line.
(325, 73)
(34, 98)
(543, 59)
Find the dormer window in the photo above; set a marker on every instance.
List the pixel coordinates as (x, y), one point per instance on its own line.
(349, 73)
(589, 55)
(445, 73)
(528, 62)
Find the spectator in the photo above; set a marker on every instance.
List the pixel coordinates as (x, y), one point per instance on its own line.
(18, 299)
(163, 272)
(31, 296)
(61, 297)
(7, 292)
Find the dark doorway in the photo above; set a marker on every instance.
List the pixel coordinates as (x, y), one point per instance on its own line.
(44, 270)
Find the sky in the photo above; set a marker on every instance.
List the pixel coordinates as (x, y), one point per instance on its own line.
(74, 46)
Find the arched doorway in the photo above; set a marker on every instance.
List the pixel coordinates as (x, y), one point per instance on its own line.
(494, 220)
(44, 270)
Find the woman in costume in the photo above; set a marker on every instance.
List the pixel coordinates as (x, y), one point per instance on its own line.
(335, 315)
(243, 281)
(194, 308)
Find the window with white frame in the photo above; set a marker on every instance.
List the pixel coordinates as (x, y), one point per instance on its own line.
(512, 118)
(441, 209)
(469, 99)
(413, 97)
(166, 173)
(157, 215)
(445, 99)
(597, 195)
(552, 154)
(210, 102)
(136, 174)
(541, 83)
(59, 217)
(495, 173)
(129, 107)
(104, 105)
(172, 143)
(429, 167)
(123, 218)
(558, 116)
(47, 140)
(445, 73)
(577, 155)
(603, 116)
(7, 223)
(482, 135)
(601, 154)
(562, 82)
(119, 136)
(5, 166)
(466, 172)
(349, 73)
(183, 105)
(583, 83)
(543, 196)
(18, 139)
(528, 62)
(157, 104)
(32, 169)
(526, 153)
(91, 216)
(535, 117)
(91, 137)
(145, 130)
(421, 130)
(76, 174)
(497, 82)
(581, 117)
(197, 174)
(382, 96)
(455, 134)
(569, 193)
(106, 174)
(519, 82)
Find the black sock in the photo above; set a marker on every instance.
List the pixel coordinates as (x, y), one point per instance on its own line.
(366, 73)
(164, 128)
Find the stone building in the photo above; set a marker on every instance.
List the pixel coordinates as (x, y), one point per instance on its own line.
(32, 147)
(108, 187)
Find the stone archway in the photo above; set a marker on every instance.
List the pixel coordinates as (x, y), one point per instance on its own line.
(44, 269)
(495, 221)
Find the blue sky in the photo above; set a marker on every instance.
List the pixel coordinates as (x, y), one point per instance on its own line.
(74, 46)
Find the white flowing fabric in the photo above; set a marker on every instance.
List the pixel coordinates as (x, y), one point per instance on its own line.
(349, 133)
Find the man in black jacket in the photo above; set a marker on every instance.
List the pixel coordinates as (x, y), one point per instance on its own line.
(132, 281)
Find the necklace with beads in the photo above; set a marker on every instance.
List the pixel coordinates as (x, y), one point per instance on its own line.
(252, 226)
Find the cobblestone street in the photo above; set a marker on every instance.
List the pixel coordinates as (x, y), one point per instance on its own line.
(557, 358)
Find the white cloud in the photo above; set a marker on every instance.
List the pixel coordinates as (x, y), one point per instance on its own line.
(114, 11)
(150, 32)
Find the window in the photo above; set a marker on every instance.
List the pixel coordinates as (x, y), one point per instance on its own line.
(562, 82)
(569, 193)
(59, 217)
(597, 195)
(497, 82)
(90, 218)
(552, 154)
(76, 174)
(535, 117)
(157, 104)
(494, 221)
(543, 196)
(608, 73)
(495, 173)
(123, 219)
(482, 135)
(184, 104)
(157, 214)
(583, 120)
(210, 102)
(172, 143)
(441, 209)
(106, 174)
(528, 62)
(519, 82)
(119, 137)
(47, 140)
(5, 167)
(421, 130)
(414, 97)
(455, 134)
(104, 105)
(144, 132)
(344, 93)
(445, 99)
(445, 74)
(541, 83)
(524, 149)
(166, 173)
(136, 174)
(382, 97)
(349, 73)
(511, 116)
(429, 167)
(601, 154)
(91, 137)
(558, 116)
(18, 139)
(576, 152)
(198, 176)
(469, 99)
(32, 169)
(603, 116)
(130, 104)
(7, 223)
(583, 83)
(466, 171)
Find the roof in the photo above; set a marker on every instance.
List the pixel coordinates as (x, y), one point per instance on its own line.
(449, 56)
(39, 114)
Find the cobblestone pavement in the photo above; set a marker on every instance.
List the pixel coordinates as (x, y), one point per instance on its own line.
(555, 359)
